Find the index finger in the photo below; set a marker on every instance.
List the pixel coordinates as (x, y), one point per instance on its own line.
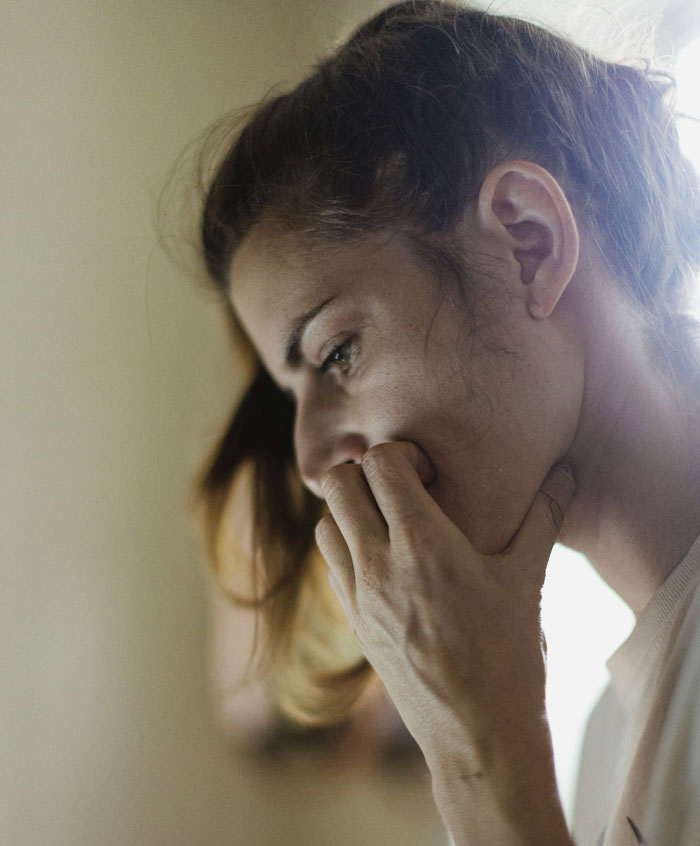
(398, 473)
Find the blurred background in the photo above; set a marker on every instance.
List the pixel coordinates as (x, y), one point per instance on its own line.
(116, 378)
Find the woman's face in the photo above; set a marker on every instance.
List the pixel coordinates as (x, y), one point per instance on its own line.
(374, 348)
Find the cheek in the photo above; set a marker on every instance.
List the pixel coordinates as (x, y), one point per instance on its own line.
(492, 423)
(534, 422)
(497, 438)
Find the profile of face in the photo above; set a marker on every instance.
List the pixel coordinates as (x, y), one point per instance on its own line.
(374, 348)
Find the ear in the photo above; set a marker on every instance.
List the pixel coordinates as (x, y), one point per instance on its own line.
(523, 207)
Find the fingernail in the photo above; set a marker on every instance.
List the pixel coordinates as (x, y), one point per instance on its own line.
(567, 468)
(425, 468)
(560, 484)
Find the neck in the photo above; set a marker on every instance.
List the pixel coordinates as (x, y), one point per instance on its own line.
(637, 457)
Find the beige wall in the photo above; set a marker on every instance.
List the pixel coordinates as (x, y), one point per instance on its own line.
(115, 378)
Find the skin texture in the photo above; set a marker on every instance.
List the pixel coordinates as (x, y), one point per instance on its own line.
(455, 637)
(441, 528)
(492, 411)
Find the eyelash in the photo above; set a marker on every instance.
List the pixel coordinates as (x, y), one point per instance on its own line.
(339, 349)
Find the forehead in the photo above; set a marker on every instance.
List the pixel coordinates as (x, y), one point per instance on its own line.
(270, 272)
(277, 276)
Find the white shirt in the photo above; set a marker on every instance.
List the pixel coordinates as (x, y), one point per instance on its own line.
(639, 780)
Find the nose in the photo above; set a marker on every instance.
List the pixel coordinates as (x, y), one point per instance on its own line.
(324, 437)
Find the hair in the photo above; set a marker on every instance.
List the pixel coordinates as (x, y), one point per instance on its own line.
(396, 130)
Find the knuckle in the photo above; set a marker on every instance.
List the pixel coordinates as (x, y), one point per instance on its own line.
(332, 481)
(376, 460)
(371, 579)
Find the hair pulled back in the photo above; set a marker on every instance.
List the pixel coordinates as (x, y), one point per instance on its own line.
(397, 130)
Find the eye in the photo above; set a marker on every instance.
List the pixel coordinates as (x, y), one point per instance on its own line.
(340, 357)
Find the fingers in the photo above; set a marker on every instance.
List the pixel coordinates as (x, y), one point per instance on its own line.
(385, 492)
(540, 528)
(350, 502)
(333, 548)
(383, 502)
(397, 474)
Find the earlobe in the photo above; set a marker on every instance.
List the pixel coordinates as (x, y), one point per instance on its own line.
(524, 208)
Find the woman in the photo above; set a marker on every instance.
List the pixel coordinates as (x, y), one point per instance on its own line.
(460, 254)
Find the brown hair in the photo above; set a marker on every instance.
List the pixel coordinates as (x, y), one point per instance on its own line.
(397, 129)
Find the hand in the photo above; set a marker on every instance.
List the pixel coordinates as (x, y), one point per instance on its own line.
(454, 635)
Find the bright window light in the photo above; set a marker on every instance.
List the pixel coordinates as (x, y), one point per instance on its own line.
(584, 622)
(687, 72)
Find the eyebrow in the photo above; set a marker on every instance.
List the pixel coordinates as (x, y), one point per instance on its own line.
(292, 353)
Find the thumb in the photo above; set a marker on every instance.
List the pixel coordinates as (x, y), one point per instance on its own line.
(540, 529)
